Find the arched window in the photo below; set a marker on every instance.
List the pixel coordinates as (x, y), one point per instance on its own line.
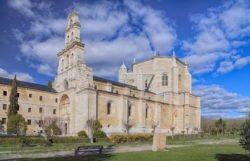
(164, 80)
(67, 62)
(146, 84)
(67, 38)
(146, 113)
(179, 78)
(129, 110)
(71, 21)
(62, 64)
(109, 108)
(72, 59)
(72, 35)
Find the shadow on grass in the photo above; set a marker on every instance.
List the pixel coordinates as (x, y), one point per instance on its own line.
(232, 157)
(97, 157)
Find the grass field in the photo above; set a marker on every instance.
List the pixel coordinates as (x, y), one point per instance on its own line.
(183, 140)
(194, 153)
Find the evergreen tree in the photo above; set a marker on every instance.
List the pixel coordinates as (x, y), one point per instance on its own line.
(245, 134)
(50, 83)
(13, 107)
(1, 127)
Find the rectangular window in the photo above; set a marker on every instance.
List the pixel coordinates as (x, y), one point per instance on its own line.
(30, 95)
(29, 109)
(18, 95)
(4, 106)
(41, 110)
(18, 108)
(56, 100)
(3, 120)
(41, 98)
(29, 122)
(54, 111)
(40, 123)
(5, 93)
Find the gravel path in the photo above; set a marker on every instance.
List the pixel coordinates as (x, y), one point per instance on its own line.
(7, 156)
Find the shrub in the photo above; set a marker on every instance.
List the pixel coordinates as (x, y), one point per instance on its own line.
(25, 141)
(82, 134)
(99, 134)
(42, 141)
(124, 138)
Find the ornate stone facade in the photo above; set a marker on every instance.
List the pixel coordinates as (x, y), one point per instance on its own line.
(156, 93)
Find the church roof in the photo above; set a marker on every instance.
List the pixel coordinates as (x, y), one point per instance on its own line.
(40, 87)
(113, 82)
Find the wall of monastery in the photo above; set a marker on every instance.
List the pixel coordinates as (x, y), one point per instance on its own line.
(34, 105)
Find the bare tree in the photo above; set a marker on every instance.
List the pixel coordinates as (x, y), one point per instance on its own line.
(154, 126)
(127, 126)
(172, 131)
(49, 125)
(92, 125)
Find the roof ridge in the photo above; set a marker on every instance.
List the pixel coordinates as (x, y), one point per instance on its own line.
(24, 84)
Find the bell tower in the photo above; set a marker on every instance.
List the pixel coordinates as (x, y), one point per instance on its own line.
(74, 81)
(72, 71)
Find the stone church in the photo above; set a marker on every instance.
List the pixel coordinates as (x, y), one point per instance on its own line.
(154, 93)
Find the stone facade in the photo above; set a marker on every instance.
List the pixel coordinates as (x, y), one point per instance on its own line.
(155, 93)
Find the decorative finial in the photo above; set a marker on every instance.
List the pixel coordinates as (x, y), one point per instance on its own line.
(155, 53)
(185, 61)
(134, 60)
(123, 66)
(173, 53)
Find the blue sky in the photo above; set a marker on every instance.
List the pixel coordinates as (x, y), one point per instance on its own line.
(212, 36)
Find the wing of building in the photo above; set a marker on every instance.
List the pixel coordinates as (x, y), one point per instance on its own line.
(155, 93)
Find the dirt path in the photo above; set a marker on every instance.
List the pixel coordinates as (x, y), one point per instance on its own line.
(117, 149)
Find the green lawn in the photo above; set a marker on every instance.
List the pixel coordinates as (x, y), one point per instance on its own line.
(194, 139)
(194, 153)
(16, 148)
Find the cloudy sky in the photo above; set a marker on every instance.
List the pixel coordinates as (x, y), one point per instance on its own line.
(213, 36)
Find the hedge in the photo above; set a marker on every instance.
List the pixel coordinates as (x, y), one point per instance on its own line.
(124, 138)
(40, 140)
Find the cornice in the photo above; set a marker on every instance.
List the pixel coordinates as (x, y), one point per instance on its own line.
(70, 46)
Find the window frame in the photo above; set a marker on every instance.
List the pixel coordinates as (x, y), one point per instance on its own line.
(5, 93)
(4, 106)
(109, 108)
(164, 79)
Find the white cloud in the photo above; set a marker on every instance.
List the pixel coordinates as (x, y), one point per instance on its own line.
(22, 77)
(216, 101)
(26, 7)
(46, 69)
(19, 75)
(239, 62)
(236, 19)
(3, 73)
(220, 30)
(120, 31)
(23, 6)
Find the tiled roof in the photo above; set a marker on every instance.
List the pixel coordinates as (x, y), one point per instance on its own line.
(23, 84)
(113, 82)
